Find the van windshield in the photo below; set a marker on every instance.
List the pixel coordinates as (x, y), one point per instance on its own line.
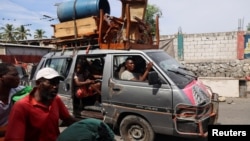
(173, 69)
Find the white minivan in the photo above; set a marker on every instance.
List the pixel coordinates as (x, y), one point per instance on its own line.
(172, 101)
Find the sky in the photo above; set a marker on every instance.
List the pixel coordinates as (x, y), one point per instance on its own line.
(187, 16)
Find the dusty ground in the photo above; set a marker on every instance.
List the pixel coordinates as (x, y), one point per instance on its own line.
(235, 111)
(231, 111)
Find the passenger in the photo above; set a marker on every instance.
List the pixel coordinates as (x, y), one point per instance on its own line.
(35, 117)
(9, 85)
(96, 68)
(87, 130)
(85, 81)
(129, 73)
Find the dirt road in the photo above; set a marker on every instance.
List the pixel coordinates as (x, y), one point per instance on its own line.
(234, 111)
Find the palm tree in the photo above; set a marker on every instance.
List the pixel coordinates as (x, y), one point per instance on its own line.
(9, 33)
(39, 34)
(22, 33)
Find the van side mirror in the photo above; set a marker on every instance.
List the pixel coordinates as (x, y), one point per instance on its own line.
(153, 78)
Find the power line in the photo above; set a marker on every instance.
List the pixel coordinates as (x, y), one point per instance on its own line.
(45, 17)
(48, 18)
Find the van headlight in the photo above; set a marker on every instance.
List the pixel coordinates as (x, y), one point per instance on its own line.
(200, 96)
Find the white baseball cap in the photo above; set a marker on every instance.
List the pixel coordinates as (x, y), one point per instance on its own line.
(48, 73)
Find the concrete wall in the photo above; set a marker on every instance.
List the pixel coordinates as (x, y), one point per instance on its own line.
(219, 59)
(227, 87)
(19, 49)
(216, 46)
(207, 46)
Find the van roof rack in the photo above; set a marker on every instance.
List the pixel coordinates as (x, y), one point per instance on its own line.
(130, 31)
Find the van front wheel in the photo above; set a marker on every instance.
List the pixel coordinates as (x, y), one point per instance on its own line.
(134, 128)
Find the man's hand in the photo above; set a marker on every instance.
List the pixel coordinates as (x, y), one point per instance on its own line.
(149, 66)
(89, 81)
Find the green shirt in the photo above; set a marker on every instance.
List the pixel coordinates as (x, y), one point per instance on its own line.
(87, 130)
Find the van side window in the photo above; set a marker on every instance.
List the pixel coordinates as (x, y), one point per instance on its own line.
(118, 66)
(87, 80)
(132, 68)
(61, 65)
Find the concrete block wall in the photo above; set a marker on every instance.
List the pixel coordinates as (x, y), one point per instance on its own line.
(203, 53)
(207, 46)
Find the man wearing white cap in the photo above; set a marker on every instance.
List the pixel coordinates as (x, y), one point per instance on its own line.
(35, 117)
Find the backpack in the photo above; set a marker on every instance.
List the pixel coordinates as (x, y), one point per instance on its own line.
(20, 94)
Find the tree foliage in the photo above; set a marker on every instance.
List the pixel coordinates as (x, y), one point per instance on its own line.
(39, 34)
(150, 17)
(22, 33)
(9, 33)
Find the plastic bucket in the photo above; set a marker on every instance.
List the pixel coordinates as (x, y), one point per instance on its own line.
(77, 9)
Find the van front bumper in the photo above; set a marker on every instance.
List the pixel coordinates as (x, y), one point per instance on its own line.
(194, 120)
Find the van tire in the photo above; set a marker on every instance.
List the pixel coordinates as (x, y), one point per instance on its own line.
(134, 128)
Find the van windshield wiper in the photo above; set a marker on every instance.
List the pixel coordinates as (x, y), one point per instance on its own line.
(184, 68)
(181, 73)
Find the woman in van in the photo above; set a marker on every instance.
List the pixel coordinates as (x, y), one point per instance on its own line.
(85, 82)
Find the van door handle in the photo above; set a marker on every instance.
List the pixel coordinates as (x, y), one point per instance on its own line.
(113, 85)
(116, 89)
